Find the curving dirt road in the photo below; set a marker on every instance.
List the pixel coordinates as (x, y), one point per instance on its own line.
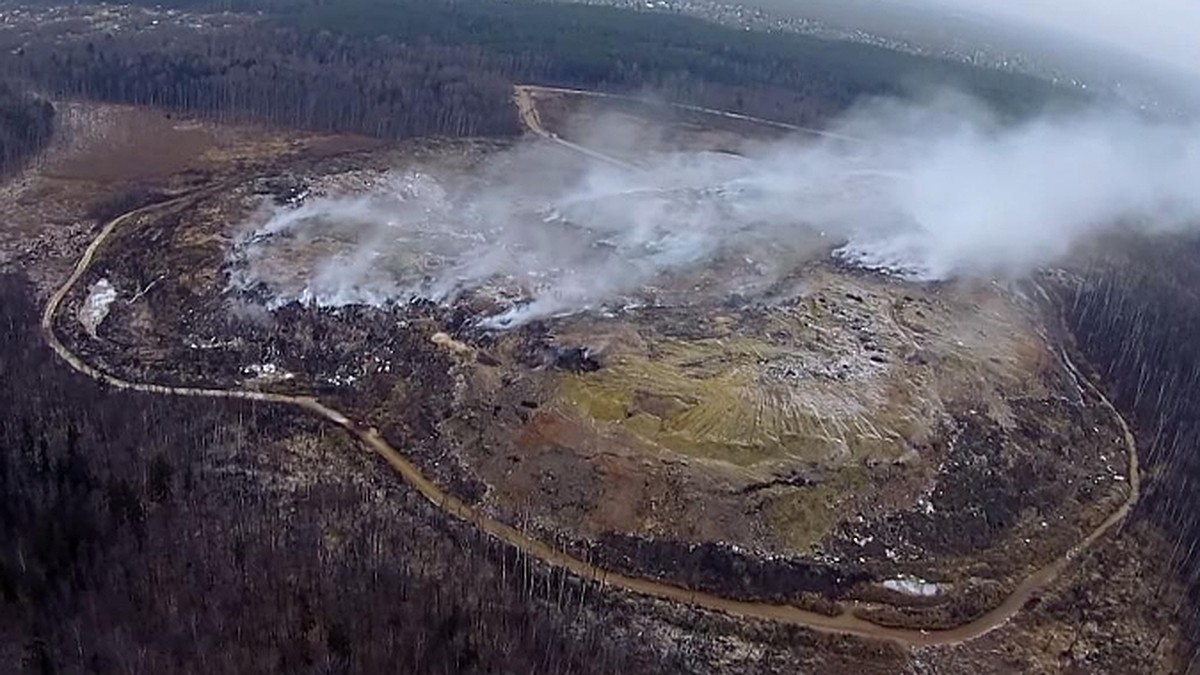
(846, 623)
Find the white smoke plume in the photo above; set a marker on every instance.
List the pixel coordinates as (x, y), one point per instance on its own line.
(929, 191)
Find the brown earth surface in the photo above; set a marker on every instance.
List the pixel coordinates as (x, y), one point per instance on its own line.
(956, 448)
(861, 429)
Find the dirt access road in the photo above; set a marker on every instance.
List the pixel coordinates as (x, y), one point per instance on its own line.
(527, 109)
(845, 623)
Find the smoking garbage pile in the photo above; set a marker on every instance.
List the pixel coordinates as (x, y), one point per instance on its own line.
(926, 191)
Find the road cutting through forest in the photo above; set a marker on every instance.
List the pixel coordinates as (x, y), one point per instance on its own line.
(847, 622)
(524, 97)
(527, 111)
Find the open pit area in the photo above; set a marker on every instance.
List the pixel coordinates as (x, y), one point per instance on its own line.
(760, 427)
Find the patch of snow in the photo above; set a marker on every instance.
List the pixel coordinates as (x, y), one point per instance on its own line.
(913, 586)
(101, 296)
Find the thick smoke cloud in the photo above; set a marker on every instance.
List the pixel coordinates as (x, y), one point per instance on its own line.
(929, 191)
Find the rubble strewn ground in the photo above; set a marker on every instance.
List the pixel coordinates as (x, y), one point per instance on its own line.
(843, 435)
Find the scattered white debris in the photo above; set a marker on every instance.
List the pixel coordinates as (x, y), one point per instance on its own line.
(101, 296)
(266, 371)
(341, 380)
(890, 257)
(138, 296)
(214, 343)
(913, 586)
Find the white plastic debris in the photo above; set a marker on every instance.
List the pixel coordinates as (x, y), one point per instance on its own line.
(101, 296)
(266, 371)
(913, 586)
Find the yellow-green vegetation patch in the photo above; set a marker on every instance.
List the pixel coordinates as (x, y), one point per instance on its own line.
(718, 399)
(803, 517)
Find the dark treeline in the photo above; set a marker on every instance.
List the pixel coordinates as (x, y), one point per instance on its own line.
(148, 534)
(414, 67)
(312, 80)
(609, 47)
(26, 123)
(1137, 321)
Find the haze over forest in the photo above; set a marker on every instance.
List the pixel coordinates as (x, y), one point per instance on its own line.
(1148, 46)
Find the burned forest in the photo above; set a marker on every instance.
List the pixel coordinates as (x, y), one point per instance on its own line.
(1134, 316)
